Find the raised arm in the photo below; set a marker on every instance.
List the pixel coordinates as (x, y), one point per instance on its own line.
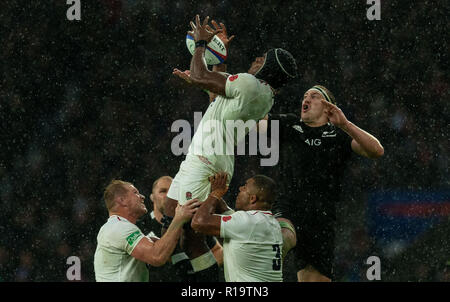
(221, 68)
(363, 143)
(158, 253)
(212, 81)
(222, 35)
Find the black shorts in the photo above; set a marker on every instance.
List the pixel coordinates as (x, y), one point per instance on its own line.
(315, 245)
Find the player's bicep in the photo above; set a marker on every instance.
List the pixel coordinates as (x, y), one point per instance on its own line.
(209, 224)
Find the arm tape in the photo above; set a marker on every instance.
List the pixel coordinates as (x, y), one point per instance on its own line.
(287, 225)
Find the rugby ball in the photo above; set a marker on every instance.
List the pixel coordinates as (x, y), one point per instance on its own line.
(215, 52)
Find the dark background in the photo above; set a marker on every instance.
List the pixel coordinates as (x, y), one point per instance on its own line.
(83, 102)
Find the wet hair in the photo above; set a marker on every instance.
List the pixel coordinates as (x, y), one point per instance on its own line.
(114, 189)
(329, 97)
(266, 187)
(278, 69)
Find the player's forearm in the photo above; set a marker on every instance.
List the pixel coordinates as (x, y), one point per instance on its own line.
(220, 67)
(165, 246)
(368, 143)
(217, 68)
(212, 81)
(201, 222)
(198, 66)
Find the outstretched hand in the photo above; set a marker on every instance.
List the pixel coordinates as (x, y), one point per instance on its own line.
(185, 212)
(219, 184)
(185, 75)
(222, 35)
(335, 115)
(202, 31)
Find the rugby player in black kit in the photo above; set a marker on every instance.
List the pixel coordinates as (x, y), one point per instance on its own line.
(314, 148)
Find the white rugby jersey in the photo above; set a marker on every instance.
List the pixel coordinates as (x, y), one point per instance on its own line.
(113, 262)
(252, 247)
(246, 102)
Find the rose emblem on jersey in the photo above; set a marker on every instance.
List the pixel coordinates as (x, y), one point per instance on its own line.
(188, 195)
(233, 77)
(226, 218)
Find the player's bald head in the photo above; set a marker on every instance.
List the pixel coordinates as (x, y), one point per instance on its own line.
(156, 182)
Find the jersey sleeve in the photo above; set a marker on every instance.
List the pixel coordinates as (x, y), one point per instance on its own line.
(248, 98)
(235, 226)
(243, 86)
(126, 236)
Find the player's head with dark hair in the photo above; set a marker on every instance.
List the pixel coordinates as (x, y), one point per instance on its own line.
(326, 93)
(258, 193)
(266, 187)
(314, 112)
(277, 67)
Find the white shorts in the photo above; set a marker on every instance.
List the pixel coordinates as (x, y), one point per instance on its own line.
(192, 180)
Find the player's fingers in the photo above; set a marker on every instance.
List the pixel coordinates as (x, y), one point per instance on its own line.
(222, 26)
(205, 22)
(214, 23)
(327, 104)
(231, 38)
(224, 175)
(331, 105)
(197, 20)
(208, 28)
(191, 203)
(193, 26)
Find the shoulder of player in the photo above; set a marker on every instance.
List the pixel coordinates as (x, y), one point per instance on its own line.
(247, 80)
(286, 119)
(255, 214)
(117, 225)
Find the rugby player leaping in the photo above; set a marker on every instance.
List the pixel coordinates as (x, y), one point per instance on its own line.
(244, 96)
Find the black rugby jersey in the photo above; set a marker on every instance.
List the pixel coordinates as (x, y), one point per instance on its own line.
(180, 272)
(310, 168)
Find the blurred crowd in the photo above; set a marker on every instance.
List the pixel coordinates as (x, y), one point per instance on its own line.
(83, 102)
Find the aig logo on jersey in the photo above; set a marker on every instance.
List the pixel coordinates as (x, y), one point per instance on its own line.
(313, 142)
